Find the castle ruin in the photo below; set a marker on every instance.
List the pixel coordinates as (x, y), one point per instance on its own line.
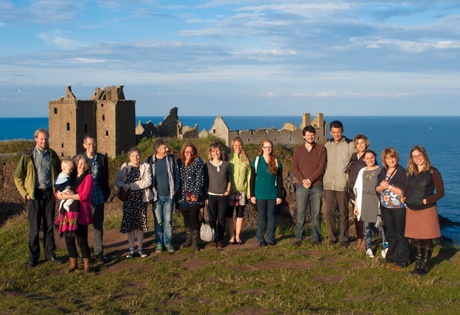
(288, 135)
(107, 116)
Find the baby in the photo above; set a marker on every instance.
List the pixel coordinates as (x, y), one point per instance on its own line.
(63, 182)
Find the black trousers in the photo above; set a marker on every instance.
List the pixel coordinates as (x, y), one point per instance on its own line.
(41, 213)
(81, 236)
(398, 244)
(218, 207)
(191, 216)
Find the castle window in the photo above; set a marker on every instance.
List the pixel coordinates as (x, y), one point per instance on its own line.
(106, 132)
(55, 110)
(103, 117)
(214, 131)
(102, 104)
(62, 145)
(68, 126)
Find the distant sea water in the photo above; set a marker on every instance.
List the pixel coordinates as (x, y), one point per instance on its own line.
(436, 134)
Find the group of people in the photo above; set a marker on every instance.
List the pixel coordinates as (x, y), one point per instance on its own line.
(346, 172)
(343, 170)
(83, 188)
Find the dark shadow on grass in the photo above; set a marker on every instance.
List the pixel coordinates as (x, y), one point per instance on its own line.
(445, 254)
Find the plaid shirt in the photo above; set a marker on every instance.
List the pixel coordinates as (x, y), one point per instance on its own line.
(98, 196)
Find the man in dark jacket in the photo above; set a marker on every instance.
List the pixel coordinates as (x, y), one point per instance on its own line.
(101, 192)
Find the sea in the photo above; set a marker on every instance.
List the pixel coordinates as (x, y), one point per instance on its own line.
(436, 133)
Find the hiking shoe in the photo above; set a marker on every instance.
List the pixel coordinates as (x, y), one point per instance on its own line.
(159, 249)
(369, 253)
(130, 253)
(297, 243)
(31, 263)
(102, 258)
(141, 253)
(170, 248)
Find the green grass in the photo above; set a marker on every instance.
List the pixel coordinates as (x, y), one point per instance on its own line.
(272, 280)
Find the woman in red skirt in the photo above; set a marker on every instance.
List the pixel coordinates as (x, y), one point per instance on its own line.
(424, 187)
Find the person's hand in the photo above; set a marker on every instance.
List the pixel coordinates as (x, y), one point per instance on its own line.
(306, 183)
(27, 197)
(279, 201)
(206, 201)
(355, 211)
(253, 200)
(126, 187)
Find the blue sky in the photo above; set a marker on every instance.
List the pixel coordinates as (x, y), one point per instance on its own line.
(234, 57)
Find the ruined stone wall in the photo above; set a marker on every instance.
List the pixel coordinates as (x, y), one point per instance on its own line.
(286, 137)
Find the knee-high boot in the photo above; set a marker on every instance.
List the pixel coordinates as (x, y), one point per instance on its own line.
(418, 257)
(196, 240)
(188, 238)
(427, 252)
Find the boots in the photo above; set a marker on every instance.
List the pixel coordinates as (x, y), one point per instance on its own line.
(196, 240)
(418, 259)
(425, 264)
(72, 264)
(86, 265)
(188, 238)
(360, 244)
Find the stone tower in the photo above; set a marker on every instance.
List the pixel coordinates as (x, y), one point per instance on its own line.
(107, 116)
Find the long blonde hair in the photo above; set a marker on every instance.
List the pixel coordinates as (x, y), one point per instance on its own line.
(412, 168)
(244, 156)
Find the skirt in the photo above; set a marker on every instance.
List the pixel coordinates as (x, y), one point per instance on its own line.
(422, 224)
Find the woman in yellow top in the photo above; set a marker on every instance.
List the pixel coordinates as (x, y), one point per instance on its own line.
(240, 171)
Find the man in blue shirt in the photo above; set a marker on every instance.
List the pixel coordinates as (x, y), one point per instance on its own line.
(165, 184)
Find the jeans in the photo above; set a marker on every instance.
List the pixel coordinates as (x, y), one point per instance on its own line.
(266, 212)
(218, 209)
(368, 227)
(398, 244)
(98, 224)
(303, 196)
(336, 199)
(162, 212)
(41, 211)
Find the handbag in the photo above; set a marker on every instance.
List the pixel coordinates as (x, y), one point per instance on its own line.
(122, 194)
(207, 231)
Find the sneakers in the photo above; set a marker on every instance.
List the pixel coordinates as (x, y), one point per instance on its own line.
(170, 248)
(159, 249)
(369, 253)
(141, 253)
(130, 253)
(384, 249)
